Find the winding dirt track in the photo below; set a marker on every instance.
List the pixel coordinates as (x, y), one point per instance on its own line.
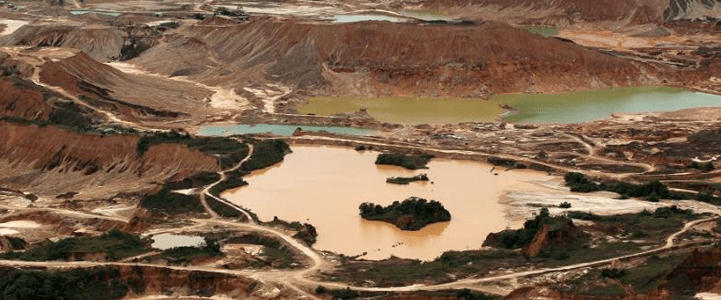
(295, 279)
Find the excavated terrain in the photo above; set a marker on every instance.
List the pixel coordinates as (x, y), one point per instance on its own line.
(51, 161)
(83, 81)
(370, 59)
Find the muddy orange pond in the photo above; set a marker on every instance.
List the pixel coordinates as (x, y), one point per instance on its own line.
(324, 186)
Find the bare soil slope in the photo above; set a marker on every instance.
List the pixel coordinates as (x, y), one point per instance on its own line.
(52, 161)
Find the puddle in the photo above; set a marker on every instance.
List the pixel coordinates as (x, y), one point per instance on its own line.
(166, 241)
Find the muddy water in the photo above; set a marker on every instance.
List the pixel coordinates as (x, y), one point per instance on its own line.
(409, 110)
(166, 241)
(533, 108)
(278, 129)
(324, 186)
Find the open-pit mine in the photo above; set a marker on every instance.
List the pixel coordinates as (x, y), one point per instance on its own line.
(341, 149)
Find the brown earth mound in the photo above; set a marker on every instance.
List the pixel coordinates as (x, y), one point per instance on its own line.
(49, 161)
(382, 58)
(135, 96)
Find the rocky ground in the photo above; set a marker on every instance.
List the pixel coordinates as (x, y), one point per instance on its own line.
(84, 83)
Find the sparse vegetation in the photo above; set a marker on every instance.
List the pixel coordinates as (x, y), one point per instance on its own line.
(167, 202)
(115, 244)
(398, 272)
(194, 181)
(265, 154)
(77, 284)
(230, 182)
(652, 191)
(411, 162)
(230, 151)
(411, 214)
(179, 255)
(222, 209)
(704, 167)
(514, 239)
(507, 163)
(276, 254)
(407, 180)
(132, 49)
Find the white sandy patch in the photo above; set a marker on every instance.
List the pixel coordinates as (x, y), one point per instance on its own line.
(5, 231)
(115, 210)
(226, 99)
(20, 224)
(269, 96)
(285, 9)
(157, 23)
(184, 192)
(222, 98)
(707, 296)
(523, 205)
(11, 25)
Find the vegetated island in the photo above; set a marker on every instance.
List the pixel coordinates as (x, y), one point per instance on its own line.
(411, 162)
(411, 214)
(407, 180)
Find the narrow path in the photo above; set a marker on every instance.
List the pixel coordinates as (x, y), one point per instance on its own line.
(291, 278)
(223, 176)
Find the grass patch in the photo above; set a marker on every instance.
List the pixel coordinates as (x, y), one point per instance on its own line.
(115, 244)
(167, 202)
(411, 162)
(544, 31)
(649, 276)
(230, 151)
(180, 255)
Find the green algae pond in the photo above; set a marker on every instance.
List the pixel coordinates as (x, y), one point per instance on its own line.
(576, 107)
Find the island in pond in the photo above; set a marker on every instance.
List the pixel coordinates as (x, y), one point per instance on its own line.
(411, 162)
(411, 214)
(407, 180)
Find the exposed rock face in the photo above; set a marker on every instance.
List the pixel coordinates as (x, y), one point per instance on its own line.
(100, 43)
(692, 9)
(559, 238)
(563, 11)
(380, 58)
(134, 96)
(700, 272)
(51, 161)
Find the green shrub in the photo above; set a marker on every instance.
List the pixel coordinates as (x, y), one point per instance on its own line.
(77, 284)
(420, 211)
(115, 243)
(165, 201)
(613, 273)
(407, 180)
(411, 162)
(265, 154)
